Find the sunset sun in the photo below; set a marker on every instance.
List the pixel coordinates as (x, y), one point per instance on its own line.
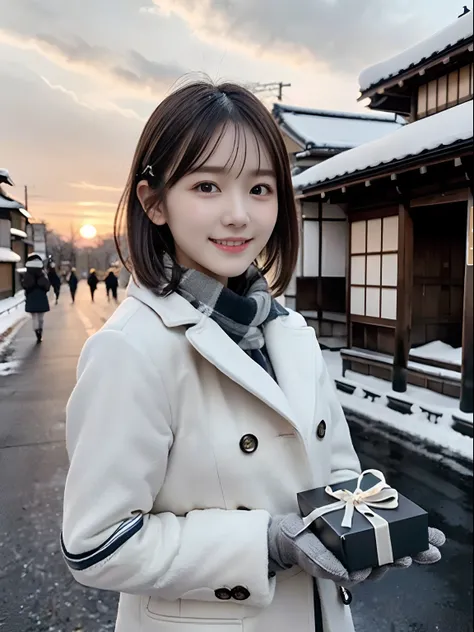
(88, 231)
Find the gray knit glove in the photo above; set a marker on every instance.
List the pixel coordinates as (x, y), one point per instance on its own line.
(285, 550)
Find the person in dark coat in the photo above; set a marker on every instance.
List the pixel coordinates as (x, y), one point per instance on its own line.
(93, 282)
(55, 281)
(36, 285)
(73, 283)
(111, 285)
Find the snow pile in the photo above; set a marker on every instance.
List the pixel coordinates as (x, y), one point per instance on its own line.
(448, 37)
(16, 313)
(8, 256)
(442, 129)
(439, 351)
(415, 425)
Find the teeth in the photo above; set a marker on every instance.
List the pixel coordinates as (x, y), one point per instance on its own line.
(229, 243)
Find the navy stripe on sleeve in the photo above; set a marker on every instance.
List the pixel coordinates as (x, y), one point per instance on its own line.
(125, 531)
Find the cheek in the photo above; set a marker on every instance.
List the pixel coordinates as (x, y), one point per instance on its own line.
(267, 216)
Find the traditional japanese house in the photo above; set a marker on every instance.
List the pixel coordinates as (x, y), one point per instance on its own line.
(408, 201)
(318, 286)
(13, 239)
(312, 136)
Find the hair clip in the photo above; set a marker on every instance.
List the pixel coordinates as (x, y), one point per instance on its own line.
(148, 171)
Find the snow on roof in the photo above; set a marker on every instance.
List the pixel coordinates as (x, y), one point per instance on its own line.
(442, 129)
(332, 130)
(10, 203)
(450, 36)
(5, 177)
(8, 256)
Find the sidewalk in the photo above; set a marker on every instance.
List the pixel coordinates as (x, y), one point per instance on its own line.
(36, 590)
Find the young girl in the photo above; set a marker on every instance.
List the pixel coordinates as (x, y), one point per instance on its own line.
(181, 492)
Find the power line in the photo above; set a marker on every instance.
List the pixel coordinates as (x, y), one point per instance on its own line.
(273, 86)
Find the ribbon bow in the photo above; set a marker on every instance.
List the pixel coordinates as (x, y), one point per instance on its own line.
(380, 496)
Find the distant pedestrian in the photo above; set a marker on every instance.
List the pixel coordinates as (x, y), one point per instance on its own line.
(54, 280)
(111, 284)
(36, 285)
(73, 282)
(93, 282)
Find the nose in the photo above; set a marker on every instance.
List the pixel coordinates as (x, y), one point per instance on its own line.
(236, 211)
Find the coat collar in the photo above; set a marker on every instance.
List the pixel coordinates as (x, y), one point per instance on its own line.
(290, 344)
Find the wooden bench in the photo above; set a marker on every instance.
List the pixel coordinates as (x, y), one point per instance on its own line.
(349, 387)
(437, 379)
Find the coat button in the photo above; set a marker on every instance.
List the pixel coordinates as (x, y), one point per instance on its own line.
(346, 596)
(248, 443)
(223, 593)
(321, 431)
(239, 593)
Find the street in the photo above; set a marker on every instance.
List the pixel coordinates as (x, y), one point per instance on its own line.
(38, 594)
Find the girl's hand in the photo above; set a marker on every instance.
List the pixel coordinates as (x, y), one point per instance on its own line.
(436, 539)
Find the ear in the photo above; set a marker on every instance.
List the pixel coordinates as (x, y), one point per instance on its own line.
(146, 196)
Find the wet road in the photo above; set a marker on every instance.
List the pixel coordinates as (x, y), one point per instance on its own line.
(430, 598)
(38, 594)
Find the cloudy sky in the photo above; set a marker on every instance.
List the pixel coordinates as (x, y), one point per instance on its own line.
(78, 78)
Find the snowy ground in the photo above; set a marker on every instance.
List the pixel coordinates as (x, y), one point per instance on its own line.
(416, 424)
(9, 325)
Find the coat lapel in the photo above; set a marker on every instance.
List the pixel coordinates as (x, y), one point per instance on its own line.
(293, 360)
(291, 349)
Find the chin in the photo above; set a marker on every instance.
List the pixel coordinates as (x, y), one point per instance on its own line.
(229, 270)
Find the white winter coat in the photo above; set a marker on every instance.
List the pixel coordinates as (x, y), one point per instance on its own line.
(157, 472)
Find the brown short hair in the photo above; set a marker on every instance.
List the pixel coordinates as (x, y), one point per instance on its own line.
(175, 141)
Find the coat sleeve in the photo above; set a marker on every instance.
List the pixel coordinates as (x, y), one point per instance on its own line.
(345, 463)
(118, 436)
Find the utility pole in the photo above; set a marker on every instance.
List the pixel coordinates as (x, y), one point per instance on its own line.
(270, 87)
(26, 197)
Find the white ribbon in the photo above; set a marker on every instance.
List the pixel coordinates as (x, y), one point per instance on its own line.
(379, 495)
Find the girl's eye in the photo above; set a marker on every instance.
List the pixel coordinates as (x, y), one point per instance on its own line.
(206, 187)
(260, 189)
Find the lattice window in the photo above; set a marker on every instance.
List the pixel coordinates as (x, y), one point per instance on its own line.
(374, 268)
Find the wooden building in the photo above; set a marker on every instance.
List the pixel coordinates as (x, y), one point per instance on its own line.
(408, 202)
(14, 242)
(318, 286)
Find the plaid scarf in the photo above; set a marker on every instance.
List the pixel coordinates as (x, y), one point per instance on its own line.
(240, 310)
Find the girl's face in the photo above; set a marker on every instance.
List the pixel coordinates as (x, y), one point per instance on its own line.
(222, 215)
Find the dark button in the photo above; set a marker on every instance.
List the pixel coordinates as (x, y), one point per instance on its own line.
(248, 443)
(223, 593)
(239, 593)
(243, 508)
(321, 431)
(346, 596)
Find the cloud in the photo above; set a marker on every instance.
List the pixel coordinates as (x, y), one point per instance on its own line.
(131, 73)
(108, 106)
(342, 35)
(94, 187)
(94, 204)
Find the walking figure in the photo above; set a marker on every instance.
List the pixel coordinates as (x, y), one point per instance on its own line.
(36, 285)
(93, 282)
(111, 284)
(55, 281)
(73, 283)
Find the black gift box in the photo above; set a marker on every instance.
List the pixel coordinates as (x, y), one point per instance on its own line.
(356, 547)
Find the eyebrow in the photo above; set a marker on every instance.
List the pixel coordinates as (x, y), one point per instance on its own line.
(217, 169)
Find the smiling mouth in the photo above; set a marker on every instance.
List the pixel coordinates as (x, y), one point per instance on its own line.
(230, 242)
(231, 245)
